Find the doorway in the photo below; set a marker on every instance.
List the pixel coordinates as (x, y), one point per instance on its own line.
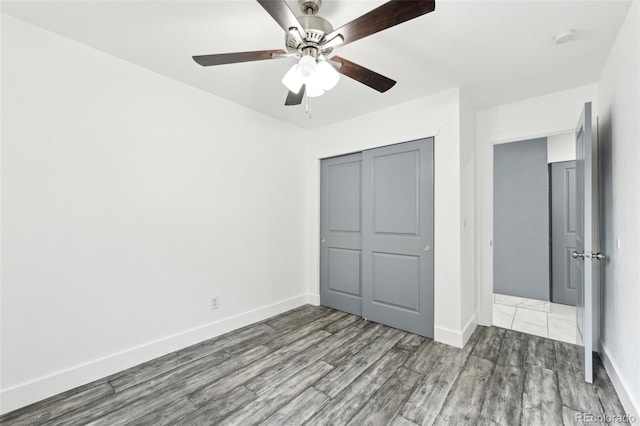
(533, 219)
(376, 224)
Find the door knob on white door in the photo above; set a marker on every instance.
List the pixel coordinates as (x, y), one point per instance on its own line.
(598, 256)
(427, 248)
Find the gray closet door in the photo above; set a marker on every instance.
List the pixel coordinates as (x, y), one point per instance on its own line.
(563, 233)
(397, 236)
(340, 230)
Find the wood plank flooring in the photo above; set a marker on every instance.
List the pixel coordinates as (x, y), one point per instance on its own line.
(317, 366)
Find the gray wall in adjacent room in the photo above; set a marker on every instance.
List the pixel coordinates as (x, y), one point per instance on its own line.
(521, 219)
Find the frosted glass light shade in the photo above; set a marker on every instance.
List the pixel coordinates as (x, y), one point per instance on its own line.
(307, 68)
(292, 79)
(314, 88)
(327, 75)
(318, 77)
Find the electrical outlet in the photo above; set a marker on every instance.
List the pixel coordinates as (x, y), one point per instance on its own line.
(215, 302)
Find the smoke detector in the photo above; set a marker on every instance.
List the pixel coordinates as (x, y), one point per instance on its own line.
(564, 37)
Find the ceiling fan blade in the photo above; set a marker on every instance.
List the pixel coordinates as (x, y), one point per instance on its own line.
(386, 16)
(295, 98)
(364, 75)
(232, 58)
(282, 14)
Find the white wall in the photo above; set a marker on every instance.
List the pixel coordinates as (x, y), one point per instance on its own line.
(128, 199)
(619, 127)
(548, 115)
(439, 116)
(470, 302)
(561, 147)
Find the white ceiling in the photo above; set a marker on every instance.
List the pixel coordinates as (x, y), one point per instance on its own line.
(497, 51)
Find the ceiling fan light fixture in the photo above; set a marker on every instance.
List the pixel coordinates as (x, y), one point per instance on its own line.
(318, 77)
(307, 68)
(314, 88)
(327, 75)
(292, 79)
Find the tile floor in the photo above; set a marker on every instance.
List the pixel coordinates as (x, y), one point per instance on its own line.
(535, 317)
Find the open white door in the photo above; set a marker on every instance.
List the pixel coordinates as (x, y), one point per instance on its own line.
(585, 241)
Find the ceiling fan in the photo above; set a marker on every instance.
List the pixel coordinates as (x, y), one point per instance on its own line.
(312, 39)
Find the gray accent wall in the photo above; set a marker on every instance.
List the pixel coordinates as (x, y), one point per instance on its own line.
(521, 219)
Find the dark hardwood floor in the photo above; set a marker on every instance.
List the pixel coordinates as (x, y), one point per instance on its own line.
(317, 366)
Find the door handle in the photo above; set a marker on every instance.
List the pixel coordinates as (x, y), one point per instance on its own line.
(598, 256)
(427, 247)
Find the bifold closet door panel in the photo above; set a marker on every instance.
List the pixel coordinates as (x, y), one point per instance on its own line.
(397, 236)
(340, 233)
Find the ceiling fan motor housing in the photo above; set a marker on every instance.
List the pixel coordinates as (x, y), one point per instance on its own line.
(315, 28)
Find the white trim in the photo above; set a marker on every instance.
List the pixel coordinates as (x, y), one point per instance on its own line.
(447, 336)
(629, 401)
(454, 337)
(43, 387)
(469, 328)
(313, 299)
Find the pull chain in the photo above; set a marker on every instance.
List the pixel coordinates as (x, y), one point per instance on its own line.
(307, 108)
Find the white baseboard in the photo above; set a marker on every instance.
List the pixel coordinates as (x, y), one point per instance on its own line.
(313, 299)
(469, 328)
(38, 389)
(455, 337)
(629, 401)
(485, 317)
